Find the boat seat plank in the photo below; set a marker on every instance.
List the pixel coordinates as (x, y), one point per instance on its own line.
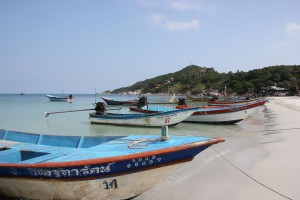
(32, 153)
(120, 148)
(47, 157)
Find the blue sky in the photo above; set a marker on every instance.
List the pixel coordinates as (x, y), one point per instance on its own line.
(77, 46)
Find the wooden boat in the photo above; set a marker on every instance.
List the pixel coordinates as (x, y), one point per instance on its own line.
(60, 98)
(229, 102)
(36, 166)
(211, 114)
(170, 118)
(223, 114)
(135, 102)
(149, 109)
(198, 99)
(109, 101)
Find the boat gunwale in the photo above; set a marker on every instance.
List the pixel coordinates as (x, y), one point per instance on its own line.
(116, 158)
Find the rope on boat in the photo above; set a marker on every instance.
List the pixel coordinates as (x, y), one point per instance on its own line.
(164, 136)
(250, 176)
(133, 143)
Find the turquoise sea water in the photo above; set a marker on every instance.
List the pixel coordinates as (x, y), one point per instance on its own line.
(27, 113)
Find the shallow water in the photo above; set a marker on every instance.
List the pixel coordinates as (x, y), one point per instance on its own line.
(27, 113)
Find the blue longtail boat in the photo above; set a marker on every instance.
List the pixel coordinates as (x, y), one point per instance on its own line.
(37, 166)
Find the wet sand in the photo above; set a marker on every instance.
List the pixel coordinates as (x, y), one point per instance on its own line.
(261, 162)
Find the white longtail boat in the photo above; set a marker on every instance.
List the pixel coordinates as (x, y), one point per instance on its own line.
(146, 120)
(37, 166)
(211, 114)
(60, 98)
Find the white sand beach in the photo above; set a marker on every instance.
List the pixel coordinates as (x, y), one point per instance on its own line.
(262, 163)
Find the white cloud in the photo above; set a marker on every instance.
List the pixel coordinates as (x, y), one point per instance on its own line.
(190, 5)
(292, 28)
(180, 5)
(181, 26)
(163, 21)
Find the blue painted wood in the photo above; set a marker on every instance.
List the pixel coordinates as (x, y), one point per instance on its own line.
(2, 133)
(65, 150)
(22, 137)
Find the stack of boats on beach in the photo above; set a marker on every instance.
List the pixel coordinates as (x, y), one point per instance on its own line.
(40, 166)
(215, 112)
(222, 113)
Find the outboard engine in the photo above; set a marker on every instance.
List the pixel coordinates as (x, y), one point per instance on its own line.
(181, 102)
(142, 102)
(100, 108)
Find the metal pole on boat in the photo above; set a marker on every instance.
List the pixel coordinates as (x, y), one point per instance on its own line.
(95, 95)
(165, 132)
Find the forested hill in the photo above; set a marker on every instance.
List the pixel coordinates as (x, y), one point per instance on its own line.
(195, 80)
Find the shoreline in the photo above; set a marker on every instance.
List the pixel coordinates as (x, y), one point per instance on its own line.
(264, 166)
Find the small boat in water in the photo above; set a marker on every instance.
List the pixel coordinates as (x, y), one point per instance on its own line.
(37, 166)
(210, 114)
(113, 102)
(198, 99)
(169, 118)
(60, 98)
(142, 100)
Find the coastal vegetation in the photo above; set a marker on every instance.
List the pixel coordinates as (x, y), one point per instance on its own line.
(197, 80)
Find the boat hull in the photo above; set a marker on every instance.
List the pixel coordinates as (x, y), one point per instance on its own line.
(37, 166)
(221, 118)
(117, 187)
(229, 102)
(198, 99)
(213, 114)
(56, 98)
(170, 118)
(115, 102)
(226, 115)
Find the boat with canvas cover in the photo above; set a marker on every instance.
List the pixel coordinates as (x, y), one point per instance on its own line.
(38, 166)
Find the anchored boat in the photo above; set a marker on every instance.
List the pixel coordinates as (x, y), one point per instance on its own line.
(169, 118)
(60, 98)
(210, 114)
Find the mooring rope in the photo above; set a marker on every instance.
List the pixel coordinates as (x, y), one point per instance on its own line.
(250, 176)
(286, 105)
(280, 129)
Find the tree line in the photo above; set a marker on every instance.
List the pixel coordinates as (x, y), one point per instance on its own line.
(197, 80)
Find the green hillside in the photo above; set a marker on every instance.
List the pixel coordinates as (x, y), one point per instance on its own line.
(196, 80)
